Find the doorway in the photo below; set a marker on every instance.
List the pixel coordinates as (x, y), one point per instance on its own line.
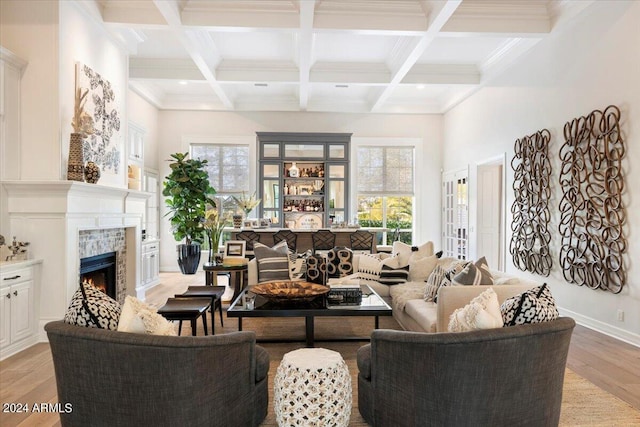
(491, 215)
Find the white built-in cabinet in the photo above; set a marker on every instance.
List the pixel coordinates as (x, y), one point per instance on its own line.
(135, 148)
(150, 264)
(19, 302)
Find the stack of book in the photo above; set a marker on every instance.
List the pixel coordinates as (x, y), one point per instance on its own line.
(344, 294)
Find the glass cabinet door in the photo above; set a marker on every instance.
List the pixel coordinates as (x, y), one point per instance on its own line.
(270, 192)
(337, 193)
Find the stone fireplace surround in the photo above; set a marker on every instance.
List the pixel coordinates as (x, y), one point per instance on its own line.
(62, 220)
(102, 241)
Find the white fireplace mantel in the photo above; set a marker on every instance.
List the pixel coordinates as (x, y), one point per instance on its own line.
(51, 214)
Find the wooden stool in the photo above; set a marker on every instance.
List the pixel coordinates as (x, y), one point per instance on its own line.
(213, 292)
(186, 309)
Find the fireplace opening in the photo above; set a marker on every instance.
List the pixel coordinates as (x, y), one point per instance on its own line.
(100, 271)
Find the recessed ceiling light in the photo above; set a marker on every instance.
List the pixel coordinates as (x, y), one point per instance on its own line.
(420, 87)
(183, 82)
(342, 86)
(260, 84)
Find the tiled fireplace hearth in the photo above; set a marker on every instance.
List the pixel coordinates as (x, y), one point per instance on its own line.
(65, 221)
(103, 242)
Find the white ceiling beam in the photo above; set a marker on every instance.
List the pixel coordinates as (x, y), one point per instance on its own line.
(170, 12)
(350, 73)
(247, 71)
(442, 74)
(437, 19)
(163, 68)
(137, 13)
(519, 18)
(305, 49)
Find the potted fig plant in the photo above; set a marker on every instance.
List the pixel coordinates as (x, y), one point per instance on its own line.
(188, 193)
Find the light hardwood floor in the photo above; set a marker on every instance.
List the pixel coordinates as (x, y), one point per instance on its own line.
(29, 377)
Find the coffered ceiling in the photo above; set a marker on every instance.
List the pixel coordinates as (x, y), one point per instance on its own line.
(365, 56)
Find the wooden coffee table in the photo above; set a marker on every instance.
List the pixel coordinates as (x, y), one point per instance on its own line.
(372, 305)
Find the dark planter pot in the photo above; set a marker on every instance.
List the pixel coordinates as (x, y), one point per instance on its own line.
(188, 257)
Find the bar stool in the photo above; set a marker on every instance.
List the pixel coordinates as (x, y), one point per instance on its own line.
(323, 240)
(250, 237)
(186, 309)
(361, 240)
(213, 292)
(289, 236)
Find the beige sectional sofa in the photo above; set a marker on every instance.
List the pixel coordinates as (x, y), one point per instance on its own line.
(410, 309)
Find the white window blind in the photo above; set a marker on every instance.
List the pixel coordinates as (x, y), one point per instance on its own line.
(228, 166)
(385, 170)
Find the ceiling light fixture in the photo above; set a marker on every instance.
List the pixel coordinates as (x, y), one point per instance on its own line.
(260, 84)
(183, 82)
(342, 86)
(420, 87)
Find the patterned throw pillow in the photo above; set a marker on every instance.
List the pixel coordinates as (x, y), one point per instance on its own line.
(433, 283)
(392, 273)
(93, 308)
(475, 274)
(141, 318)
(455, 268)
(483, 312)
(317, 269)
(298, 264)
(273, 263)
(339, 262)
(369, 267)
(533, 306)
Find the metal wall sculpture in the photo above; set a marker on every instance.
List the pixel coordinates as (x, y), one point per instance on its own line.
(591, 208)
(530, 236)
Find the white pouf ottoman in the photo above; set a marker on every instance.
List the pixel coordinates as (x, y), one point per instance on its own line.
(312, 387)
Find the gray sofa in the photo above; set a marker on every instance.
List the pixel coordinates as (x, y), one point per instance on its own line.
(123, 379)
(509, 376)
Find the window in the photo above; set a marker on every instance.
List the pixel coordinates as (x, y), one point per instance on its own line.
(386, 190)
(228, 169)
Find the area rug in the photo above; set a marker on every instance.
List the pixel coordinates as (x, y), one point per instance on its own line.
(583, 403)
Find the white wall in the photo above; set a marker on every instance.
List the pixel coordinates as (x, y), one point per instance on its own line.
(176, 126)
(30, 30)
(95, 49)
(145, 115)
(594, 63)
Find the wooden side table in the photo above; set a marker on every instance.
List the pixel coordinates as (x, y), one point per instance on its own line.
(212, 270)
(186, 309)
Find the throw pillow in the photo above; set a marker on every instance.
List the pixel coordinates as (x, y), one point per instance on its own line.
(433, 283)
(273, 263)
(533, 306)
(451, 271)
(483, 312)
(475, 274)
(404, 251)
(298, 264)
(141, 318)
(392, 273)
(317, 269)
(421, 268)
(369, 267)
(92, 308)
(339, 262)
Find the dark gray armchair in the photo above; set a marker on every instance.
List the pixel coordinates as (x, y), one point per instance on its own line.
(123, 379)
(495, 377)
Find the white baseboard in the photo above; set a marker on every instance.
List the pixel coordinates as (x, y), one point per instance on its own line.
(604, 328)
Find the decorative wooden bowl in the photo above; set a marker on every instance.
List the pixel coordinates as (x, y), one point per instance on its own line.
(286, 291)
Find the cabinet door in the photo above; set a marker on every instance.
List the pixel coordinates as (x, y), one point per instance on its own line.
(22, 310)
(271, 192)
(337, 192)
(5, 315)
(155, 265)
(146, 268)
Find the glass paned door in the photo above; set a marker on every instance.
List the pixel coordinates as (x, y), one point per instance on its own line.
(455, 214)
(271, 192)
(337, 193)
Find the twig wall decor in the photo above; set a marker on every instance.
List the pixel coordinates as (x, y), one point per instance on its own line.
(591, 208)
(530, 236)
